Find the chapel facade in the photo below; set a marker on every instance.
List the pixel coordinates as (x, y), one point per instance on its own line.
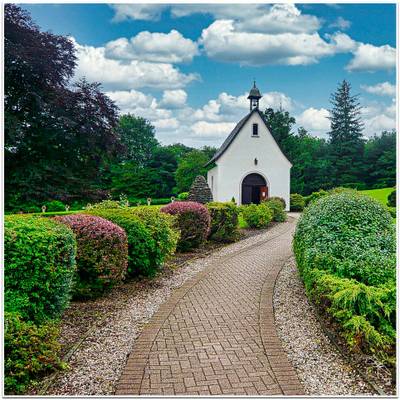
(250, 166)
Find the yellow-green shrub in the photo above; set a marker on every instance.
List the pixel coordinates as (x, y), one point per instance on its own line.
(224, 221)
(257, 216)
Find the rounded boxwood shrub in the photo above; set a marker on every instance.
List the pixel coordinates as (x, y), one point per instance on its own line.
(141, 244)
(161, 227)
(39, 266)
(345, 249)
(297, 202)
(391, 201)
(102, 253)
(30, 352)
(349, 234)
(277, 208)
(280, 199)
(257, 216)
(193, 220)
(224, 221)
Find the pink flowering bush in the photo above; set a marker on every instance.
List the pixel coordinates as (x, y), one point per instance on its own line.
(193, 221)
(102, 253)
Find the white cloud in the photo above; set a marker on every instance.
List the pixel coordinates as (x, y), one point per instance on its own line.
(280, 18)
(381, 89)
(378, 117)
(173, 99)
(371, 58)
(340, 23)
(211, 131)
(166, 124)
(277, 18)
(145, 12)
(223, 42)
(315, 120)
(139, 104)
(169, 47)
(117, 75)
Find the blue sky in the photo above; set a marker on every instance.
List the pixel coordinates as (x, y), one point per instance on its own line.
(187, 67)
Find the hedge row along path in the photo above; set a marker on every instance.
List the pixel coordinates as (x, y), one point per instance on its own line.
(216, 334)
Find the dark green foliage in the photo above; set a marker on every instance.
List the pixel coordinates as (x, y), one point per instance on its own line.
(392, 211)
(138, 138)
(55, 205)
(277, 208)
(141, 244)
(30, 352)
(392, 199)
(59, 136)
(39, 266)
(102, 253)
(193, 221)
(257, 216)
(380, 161)
(345, 249)
(224, 221)
(346, 148)
(297, 202)
(314, 196)
(190, 166)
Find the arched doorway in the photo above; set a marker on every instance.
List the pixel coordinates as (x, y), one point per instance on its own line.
(254, 189)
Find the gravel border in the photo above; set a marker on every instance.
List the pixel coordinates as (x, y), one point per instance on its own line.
(319, 365)
(96, 367)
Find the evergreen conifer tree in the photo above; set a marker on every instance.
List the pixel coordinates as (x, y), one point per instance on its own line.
(345, 137)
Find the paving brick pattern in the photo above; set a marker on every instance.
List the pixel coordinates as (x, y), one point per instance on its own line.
(216, 334)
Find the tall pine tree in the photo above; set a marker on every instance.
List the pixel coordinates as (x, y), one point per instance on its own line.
(345, 137)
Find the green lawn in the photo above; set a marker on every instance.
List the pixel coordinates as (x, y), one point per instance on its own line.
(378, 194)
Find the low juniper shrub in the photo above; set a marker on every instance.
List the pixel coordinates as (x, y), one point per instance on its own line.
(193, 221)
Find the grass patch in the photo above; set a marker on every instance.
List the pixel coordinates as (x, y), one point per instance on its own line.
(378, 194)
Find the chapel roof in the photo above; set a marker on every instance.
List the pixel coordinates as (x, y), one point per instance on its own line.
(235, 132)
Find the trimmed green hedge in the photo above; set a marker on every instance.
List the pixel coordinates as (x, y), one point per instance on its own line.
(297, 202)
(30, 352)
(257, 216)
(141, 244)
(345, 249)
(278, 209)
(193, 221)
(161, 227)
(224, 221)
(39, 266)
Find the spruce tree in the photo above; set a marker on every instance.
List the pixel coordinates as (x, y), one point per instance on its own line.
(345, 137)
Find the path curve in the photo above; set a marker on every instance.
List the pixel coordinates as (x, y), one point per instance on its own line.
(216, 334)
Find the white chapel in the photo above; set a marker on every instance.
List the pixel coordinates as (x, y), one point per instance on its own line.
(250, 166)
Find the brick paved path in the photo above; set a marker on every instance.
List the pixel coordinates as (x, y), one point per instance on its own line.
(216, 334)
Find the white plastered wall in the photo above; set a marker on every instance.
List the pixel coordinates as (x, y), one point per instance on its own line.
(238, 161)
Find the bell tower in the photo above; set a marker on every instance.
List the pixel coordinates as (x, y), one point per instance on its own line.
(254, 97)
